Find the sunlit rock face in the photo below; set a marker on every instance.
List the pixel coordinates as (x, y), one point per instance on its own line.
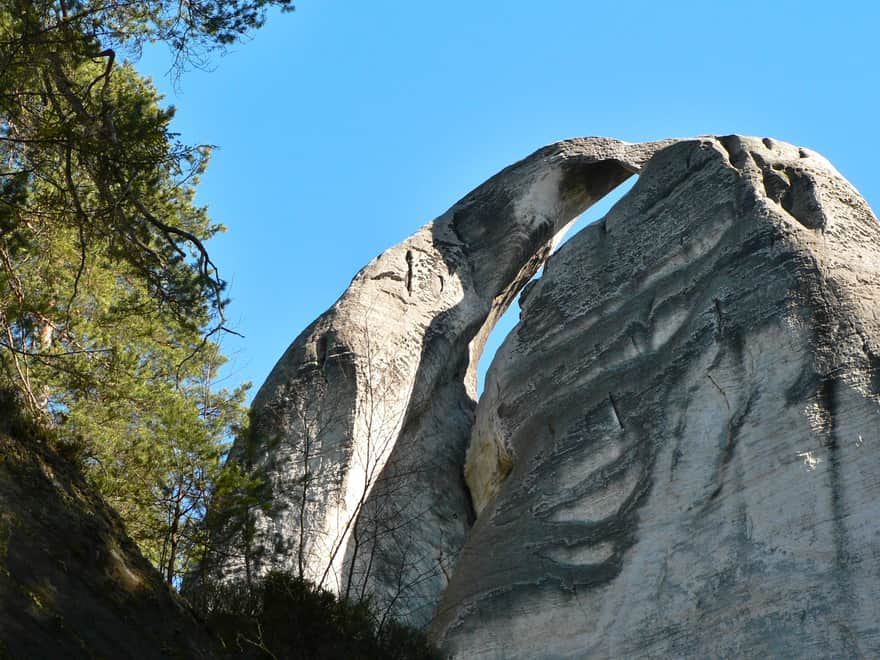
(361, 428)
(677, 453)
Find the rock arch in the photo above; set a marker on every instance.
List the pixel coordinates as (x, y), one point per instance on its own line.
(362, 426)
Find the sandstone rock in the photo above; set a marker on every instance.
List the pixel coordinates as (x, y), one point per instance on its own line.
(72, 583)
(677, 453)
(360, 430)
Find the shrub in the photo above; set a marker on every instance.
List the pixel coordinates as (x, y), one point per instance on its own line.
(283, 616)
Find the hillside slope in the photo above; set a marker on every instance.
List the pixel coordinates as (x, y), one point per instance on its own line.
(72, 583)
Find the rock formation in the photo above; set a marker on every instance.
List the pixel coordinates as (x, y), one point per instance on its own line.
(72, 583)
(361, 428)
(678, 449)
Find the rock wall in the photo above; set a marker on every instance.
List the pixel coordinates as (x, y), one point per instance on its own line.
(72, 583)
(677, 453)
(361, 428)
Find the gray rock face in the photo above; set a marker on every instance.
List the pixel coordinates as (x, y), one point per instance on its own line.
(361, 428)
(677, 453)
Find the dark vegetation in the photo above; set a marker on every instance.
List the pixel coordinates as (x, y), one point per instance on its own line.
(284, 616)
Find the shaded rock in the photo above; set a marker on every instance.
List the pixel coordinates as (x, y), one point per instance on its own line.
(72, 583)
(677, 453)
(360, 429)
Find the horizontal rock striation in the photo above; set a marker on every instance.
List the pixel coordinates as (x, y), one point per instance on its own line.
(677, 453)
(360, 429)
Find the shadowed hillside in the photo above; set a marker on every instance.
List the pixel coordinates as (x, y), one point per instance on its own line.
(72, 583)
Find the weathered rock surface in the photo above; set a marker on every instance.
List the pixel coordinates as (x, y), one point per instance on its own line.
(72, 583)
(677, 453)
(361, 428)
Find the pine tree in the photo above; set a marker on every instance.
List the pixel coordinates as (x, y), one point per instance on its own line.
(110, 306)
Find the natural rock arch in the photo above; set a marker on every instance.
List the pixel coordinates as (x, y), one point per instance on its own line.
(367, 415)
(675, 453)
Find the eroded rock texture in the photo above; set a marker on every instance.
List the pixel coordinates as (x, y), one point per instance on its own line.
(361, 428)
(677, 453)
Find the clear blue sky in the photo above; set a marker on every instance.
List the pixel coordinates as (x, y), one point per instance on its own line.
(345, 126)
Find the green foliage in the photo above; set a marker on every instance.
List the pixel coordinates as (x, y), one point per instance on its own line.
(87, 151)
(96, 227)
(95, 188)
(109, 348)
(155, 449)
(109, 301)
(283, 616)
